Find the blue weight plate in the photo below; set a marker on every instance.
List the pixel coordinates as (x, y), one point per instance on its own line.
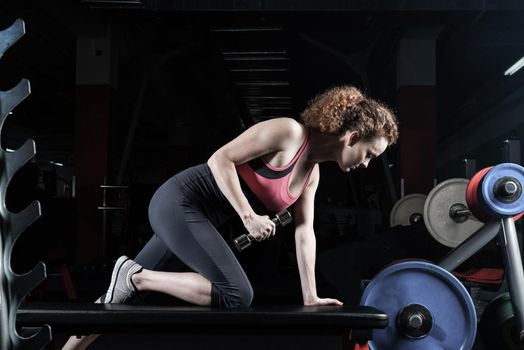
(417, 282)
(497, 207)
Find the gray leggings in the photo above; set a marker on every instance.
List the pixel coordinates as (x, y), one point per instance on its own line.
(184, 213)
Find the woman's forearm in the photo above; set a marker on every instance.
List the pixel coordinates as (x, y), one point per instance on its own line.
(306, 255)
(226, 176)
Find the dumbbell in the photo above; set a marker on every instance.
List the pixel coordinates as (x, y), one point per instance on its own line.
(280, 219)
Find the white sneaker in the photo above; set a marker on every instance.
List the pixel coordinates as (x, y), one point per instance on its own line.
(121, 288)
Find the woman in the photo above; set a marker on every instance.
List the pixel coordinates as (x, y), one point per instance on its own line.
(270, 166)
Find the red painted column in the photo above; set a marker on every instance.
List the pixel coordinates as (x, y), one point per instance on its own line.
(91, 161)
(417, 108)
(95, 83)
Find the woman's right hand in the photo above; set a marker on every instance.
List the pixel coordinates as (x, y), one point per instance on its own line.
(260, 227)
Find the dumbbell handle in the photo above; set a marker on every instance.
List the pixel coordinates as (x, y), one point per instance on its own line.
(280, 219)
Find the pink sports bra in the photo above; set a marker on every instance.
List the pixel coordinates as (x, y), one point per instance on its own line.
(270, 184)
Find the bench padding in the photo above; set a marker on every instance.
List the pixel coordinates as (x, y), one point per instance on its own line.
(74, 318)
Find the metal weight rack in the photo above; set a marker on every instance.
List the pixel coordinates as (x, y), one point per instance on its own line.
(15, 287)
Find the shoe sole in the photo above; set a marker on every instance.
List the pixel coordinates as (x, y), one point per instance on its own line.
(114, 276)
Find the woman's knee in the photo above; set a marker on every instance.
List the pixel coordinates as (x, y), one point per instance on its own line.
(230, 297)
(246, 297)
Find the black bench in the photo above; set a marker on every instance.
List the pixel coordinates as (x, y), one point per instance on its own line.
(353, 323)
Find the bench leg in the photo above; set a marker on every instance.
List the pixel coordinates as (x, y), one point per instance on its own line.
(68, 281)
(357, 339)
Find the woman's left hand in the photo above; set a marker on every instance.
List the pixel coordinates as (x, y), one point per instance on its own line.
(323, 301)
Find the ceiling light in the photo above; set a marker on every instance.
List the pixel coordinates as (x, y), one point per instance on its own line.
(515, 67)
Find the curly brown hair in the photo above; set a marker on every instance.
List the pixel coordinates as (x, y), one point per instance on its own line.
(344, 108)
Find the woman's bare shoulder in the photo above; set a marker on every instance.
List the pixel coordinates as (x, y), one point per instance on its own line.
(288, 127)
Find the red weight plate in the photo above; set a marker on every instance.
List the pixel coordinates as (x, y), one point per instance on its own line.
(471, 195)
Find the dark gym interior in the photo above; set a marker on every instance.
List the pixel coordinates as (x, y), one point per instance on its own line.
(124, 94)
